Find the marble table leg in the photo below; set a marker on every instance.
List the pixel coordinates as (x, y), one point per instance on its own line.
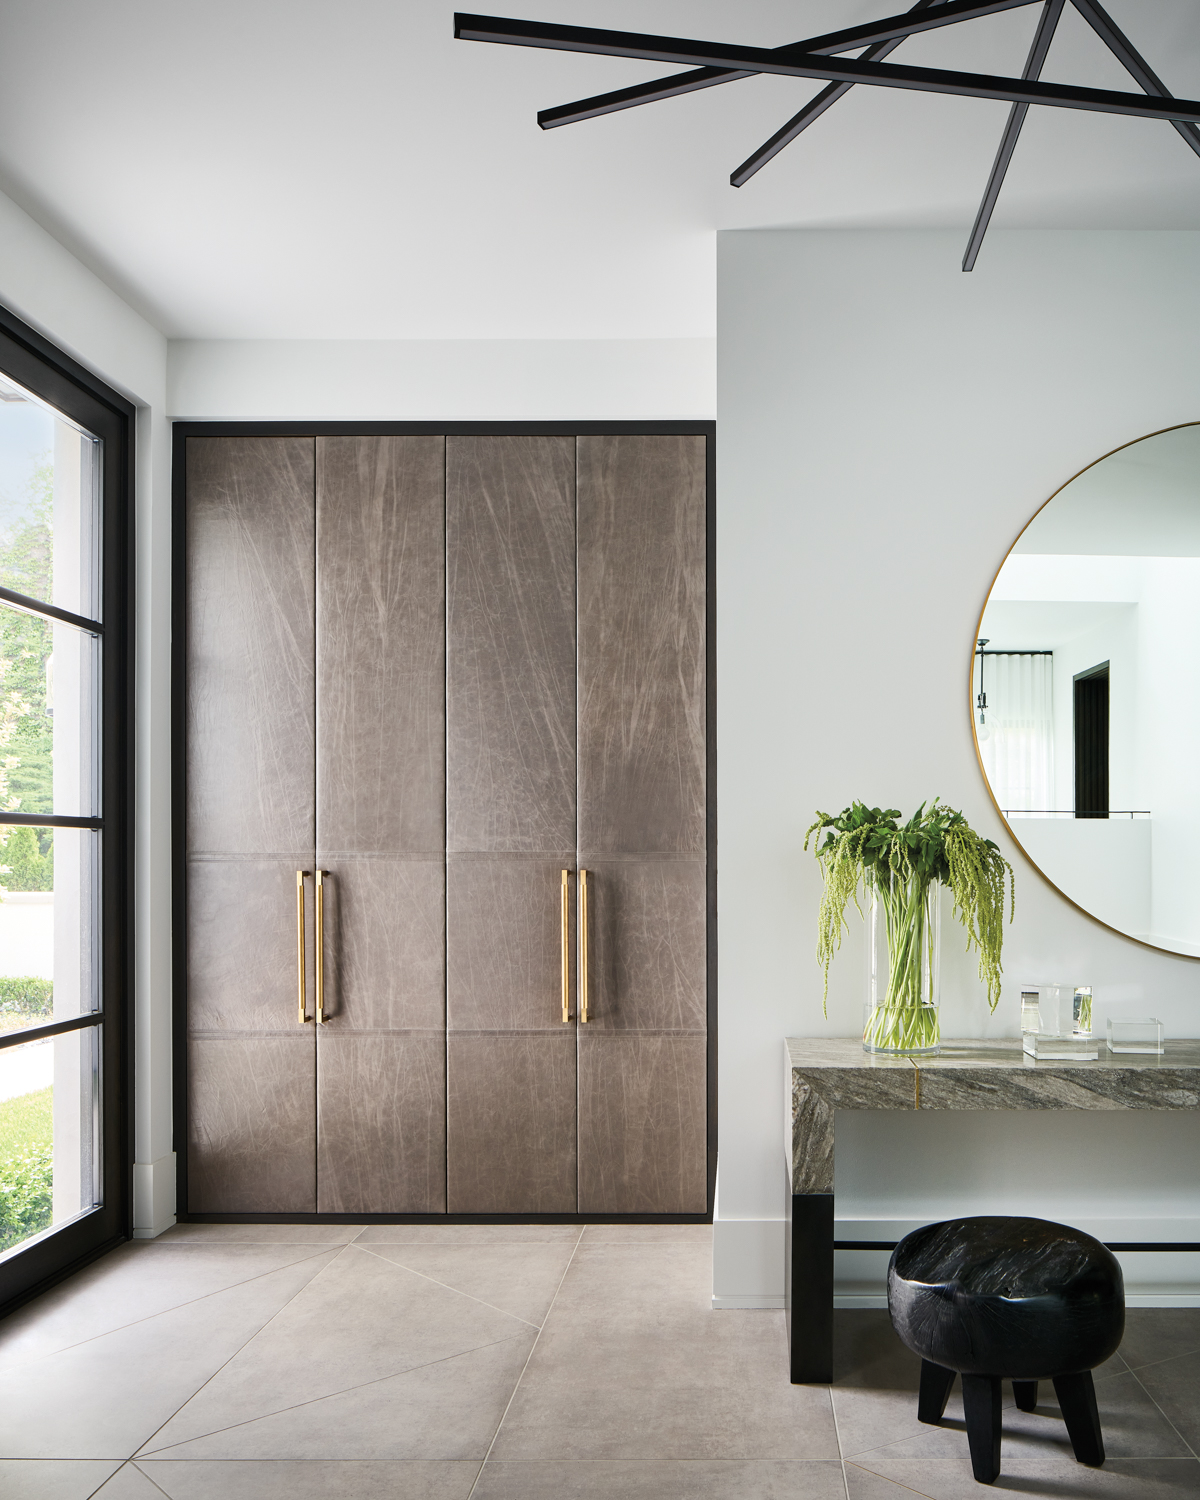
(808, 1288)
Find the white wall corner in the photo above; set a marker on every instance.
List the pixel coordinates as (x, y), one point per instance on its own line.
(153, 1197)
(748, 1263)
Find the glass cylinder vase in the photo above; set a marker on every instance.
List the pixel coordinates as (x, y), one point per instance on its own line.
(904, 930)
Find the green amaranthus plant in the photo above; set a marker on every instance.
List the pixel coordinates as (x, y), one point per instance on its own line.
(867, 846)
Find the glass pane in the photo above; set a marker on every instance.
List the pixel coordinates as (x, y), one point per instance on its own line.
(49, 716)
(49, 925)
(49, 1134)
(49, 489)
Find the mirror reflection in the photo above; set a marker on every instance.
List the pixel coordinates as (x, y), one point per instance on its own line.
(1083, 699)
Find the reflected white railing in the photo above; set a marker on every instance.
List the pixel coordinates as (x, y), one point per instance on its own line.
(1069, 812)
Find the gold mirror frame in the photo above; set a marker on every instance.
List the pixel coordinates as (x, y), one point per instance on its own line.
(1128, 937)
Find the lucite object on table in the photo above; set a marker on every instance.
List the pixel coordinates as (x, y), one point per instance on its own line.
(1056, 1010)
(1136, 1037)
(1047, 1008)
(1050, 1047)
(904, 931)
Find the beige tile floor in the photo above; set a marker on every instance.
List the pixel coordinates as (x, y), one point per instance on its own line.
(527, 1363)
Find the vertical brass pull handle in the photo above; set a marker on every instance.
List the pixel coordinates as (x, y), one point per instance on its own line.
(566, 954)
(301, 875)
(583, 947)
(320, 954)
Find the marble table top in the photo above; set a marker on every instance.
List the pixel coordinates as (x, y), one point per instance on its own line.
(824, 1074)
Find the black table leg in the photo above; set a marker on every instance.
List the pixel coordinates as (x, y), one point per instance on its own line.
(808, 1281)
(1025, 1394)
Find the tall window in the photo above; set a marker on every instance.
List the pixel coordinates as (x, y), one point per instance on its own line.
(63, 808)
(1016, 741)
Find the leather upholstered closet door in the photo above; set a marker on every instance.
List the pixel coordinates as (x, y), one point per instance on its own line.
(316, 741)
(510, 797)
(251, 739)
(380, 824)
(642, 824)
(438, 672)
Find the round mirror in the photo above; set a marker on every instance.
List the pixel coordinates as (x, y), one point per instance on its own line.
(1084, 690)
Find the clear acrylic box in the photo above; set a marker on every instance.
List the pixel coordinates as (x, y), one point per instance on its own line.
(1048, 1009)
(1144, 1037)
(1046, 1047)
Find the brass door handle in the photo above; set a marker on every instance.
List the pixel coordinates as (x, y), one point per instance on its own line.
(583, 947)
(566, 952)
(320, 954)
(301, 876)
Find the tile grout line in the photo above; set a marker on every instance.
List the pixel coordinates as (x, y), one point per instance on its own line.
(239, 1349)
(428, 1364)
(113, 1475)
(458, 1292)
(837, 1434)
(147, 1477)
(1165, 1418)
(887, 1479)
(525, 1366)
(149, 1318)
(1153, 1364)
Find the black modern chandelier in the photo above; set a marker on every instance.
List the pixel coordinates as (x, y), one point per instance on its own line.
(711, 63)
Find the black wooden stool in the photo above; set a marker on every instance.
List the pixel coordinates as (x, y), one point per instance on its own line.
(1007, 1299)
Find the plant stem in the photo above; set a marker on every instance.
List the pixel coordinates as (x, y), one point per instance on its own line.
(905, 1021)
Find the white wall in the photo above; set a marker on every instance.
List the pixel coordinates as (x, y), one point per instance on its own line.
(1102, 864)
(452, 380)
(47, 287)
(886, 427)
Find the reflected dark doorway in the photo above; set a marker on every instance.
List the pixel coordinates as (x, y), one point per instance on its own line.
(1091, 742)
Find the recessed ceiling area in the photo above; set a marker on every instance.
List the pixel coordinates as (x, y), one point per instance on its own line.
(1037, 625)
(261, 170)
(1138, 502)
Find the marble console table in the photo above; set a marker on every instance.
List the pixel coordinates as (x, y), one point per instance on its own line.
(823, 1075)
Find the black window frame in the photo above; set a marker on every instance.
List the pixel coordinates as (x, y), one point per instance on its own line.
(44, 370)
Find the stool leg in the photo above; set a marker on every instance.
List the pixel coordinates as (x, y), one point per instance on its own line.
(1025, 1394)
(935, 1392)
(1077, 1398)
(981, 1405)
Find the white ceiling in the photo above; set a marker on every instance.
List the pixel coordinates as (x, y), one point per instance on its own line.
(262, 169)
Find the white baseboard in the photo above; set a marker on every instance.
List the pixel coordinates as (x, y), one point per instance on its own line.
(153, 1197)
(748, 1261)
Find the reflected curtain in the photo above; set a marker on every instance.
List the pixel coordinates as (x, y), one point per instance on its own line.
(1019, 754)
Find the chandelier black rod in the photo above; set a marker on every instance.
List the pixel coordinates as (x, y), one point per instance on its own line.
(652, 48)
(704, 78)
(815, 107)
(1132, 61)
(1034, 63)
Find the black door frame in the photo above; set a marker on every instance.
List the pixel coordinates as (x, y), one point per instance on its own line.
(43, 369)
(181, 431)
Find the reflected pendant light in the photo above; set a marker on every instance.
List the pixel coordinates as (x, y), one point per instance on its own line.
(819, 58)
(983, 730)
